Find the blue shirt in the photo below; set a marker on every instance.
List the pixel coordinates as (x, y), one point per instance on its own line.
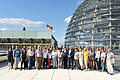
(17, 53)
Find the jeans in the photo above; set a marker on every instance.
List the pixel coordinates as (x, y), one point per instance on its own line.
(16, 62)
(30, 62)
(76, 63)
(97, 63)
(70, 63)
(54, 62)
(45, 63)
(102, 63)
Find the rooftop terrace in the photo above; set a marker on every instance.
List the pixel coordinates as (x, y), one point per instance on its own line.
(54, 74)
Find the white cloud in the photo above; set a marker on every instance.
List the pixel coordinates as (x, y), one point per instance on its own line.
(3, 29)
(79, 2)
(68, 19)
(20, 22)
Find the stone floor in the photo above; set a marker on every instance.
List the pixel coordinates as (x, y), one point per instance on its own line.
(54, 74)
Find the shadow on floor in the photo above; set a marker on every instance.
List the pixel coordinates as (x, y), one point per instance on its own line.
(3, 64)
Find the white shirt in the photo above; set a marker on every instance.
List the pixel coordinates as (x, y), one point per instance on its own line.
(38, 53)
(57, 51)
(80, 55)
(76, 55)
(97, 55)
(62, 49)
(30, 53)
(60, 54)
(54, 54)
(45, 54)
(49, 55)
(69, 51)
(103, 55)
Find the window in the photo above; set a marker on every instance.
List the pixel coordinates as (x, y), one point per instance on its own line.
(115, 23)
(115, 17)
(116, 30)
(115, 12)
(115, 6)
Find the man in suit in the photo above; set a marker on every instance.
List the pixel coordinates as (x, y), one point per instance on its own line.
(70, 54)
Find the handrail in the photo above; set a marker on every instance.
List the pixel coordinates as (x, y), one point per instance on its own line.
(2, 53)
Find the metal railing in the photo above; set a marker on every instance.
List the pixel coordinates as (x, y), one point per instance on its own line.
(117, 62)
(3, 56)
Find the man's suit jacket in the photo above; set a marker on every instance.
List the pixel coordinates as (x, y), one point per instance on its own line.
(71, 54)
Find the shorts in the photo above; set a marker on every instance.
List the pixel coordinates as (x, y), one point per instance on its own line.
(59, 58)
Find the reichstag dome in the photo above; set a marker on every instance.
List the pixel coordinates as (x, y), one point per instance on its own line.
(95, 23)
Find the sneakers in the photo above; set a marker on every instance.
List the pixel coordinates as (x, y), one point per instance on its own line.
(110, 73)
(15, 68)
(9, 68)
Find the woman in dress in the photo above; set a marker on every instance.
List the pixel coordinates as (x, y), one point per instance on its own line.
(86, 54)
(10, 57)
(81, 59)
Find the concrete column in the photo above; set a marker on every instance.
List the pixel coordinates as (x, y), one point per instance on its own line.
(92, 37)
(110, 39)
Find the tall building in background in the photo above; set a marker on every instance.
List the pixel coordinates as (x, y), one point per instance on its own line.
(95, 23)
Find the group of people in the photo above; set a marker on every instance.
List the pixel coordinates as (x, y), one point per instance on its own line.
(37, 57)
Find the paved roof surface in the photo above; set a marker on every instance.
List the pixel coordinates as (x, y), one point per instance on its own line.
(54, 74)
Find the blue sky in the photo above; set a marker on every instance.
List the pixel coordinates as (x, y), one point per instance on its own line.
(35, 14)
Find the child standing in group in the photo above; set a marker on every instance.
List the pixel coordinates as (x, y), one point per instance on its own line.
(10, 57)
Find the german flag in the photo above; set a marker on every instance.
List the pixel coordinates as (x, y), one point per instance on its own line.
(49, 27)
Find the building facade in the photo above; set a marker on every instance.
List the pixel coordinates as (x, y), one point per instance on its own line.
(95, 23)
(28, 38)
